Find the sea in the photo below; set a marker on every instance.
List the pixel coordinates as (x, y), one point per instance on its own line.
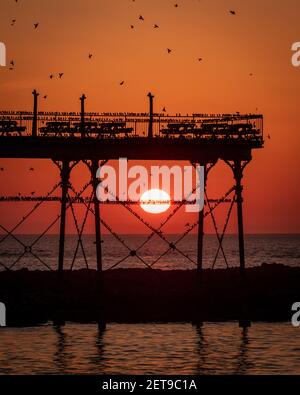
(152, 348)
(43, 251)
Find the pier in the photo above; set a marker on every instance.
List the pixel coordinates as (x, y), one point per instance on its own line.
(68, 138)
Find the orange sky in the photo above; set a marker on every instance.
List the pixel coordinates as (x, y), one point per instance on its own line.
(257, 40)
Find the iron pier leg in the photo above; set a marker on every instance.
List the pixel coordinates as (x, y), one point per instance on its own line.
(244, 322)
(199, 276)
(100, 293)
(150, 130)
(82, 116)
(35, 113)
(65, 174)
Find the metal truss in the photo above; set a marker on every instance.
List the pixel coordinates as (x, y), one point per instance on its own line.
(73, 197)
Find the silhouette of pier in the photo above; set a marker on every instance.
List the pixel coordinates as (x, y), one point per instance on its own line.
(67, 138)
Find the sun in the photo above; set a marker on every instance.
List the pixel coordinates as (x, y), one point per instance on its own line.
(155, 201)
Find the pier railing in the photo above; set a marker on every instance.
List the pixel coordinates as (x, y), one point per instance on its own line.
(132, 125)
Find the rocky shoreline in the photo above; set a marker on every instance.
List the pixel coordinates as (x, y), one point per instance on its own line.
(144, 295)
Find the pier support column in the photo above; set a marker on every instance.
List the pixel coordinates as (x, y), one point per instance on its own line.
(65, 175)
(237, 168)
(35, 113)
(82, 116)
(100, 293)
(150, 130)
(199, 279)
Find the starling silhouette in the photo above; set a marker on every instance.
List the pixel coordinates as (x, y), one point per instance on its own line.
(90, 55)
(122, 83)
(51, 76)
(156, 26)
(60, 75)
(164, 109)
(45, 97)
(141, 18)
(31, 169)
(169, 50)
(36, 25)
(232, 12)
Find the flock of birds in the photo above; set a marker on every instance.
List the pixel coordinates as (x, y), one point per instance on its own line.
(141, 18)
(90, 55)
(30, 169)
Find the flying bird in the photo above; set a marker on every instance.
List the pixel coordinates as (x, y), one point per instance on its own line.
(13, 22)
(31, 169)
(2, 169)
(122, 83)
(60, 75)
(36, 25)
(141, 18)
(156, 26)
(199, 59)
(132, 26)
(45, 97)
(51, 76)
(12, 63)
(232, 12)
(164, 109)
(90, 55)
(175, 5)
(169, 50)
